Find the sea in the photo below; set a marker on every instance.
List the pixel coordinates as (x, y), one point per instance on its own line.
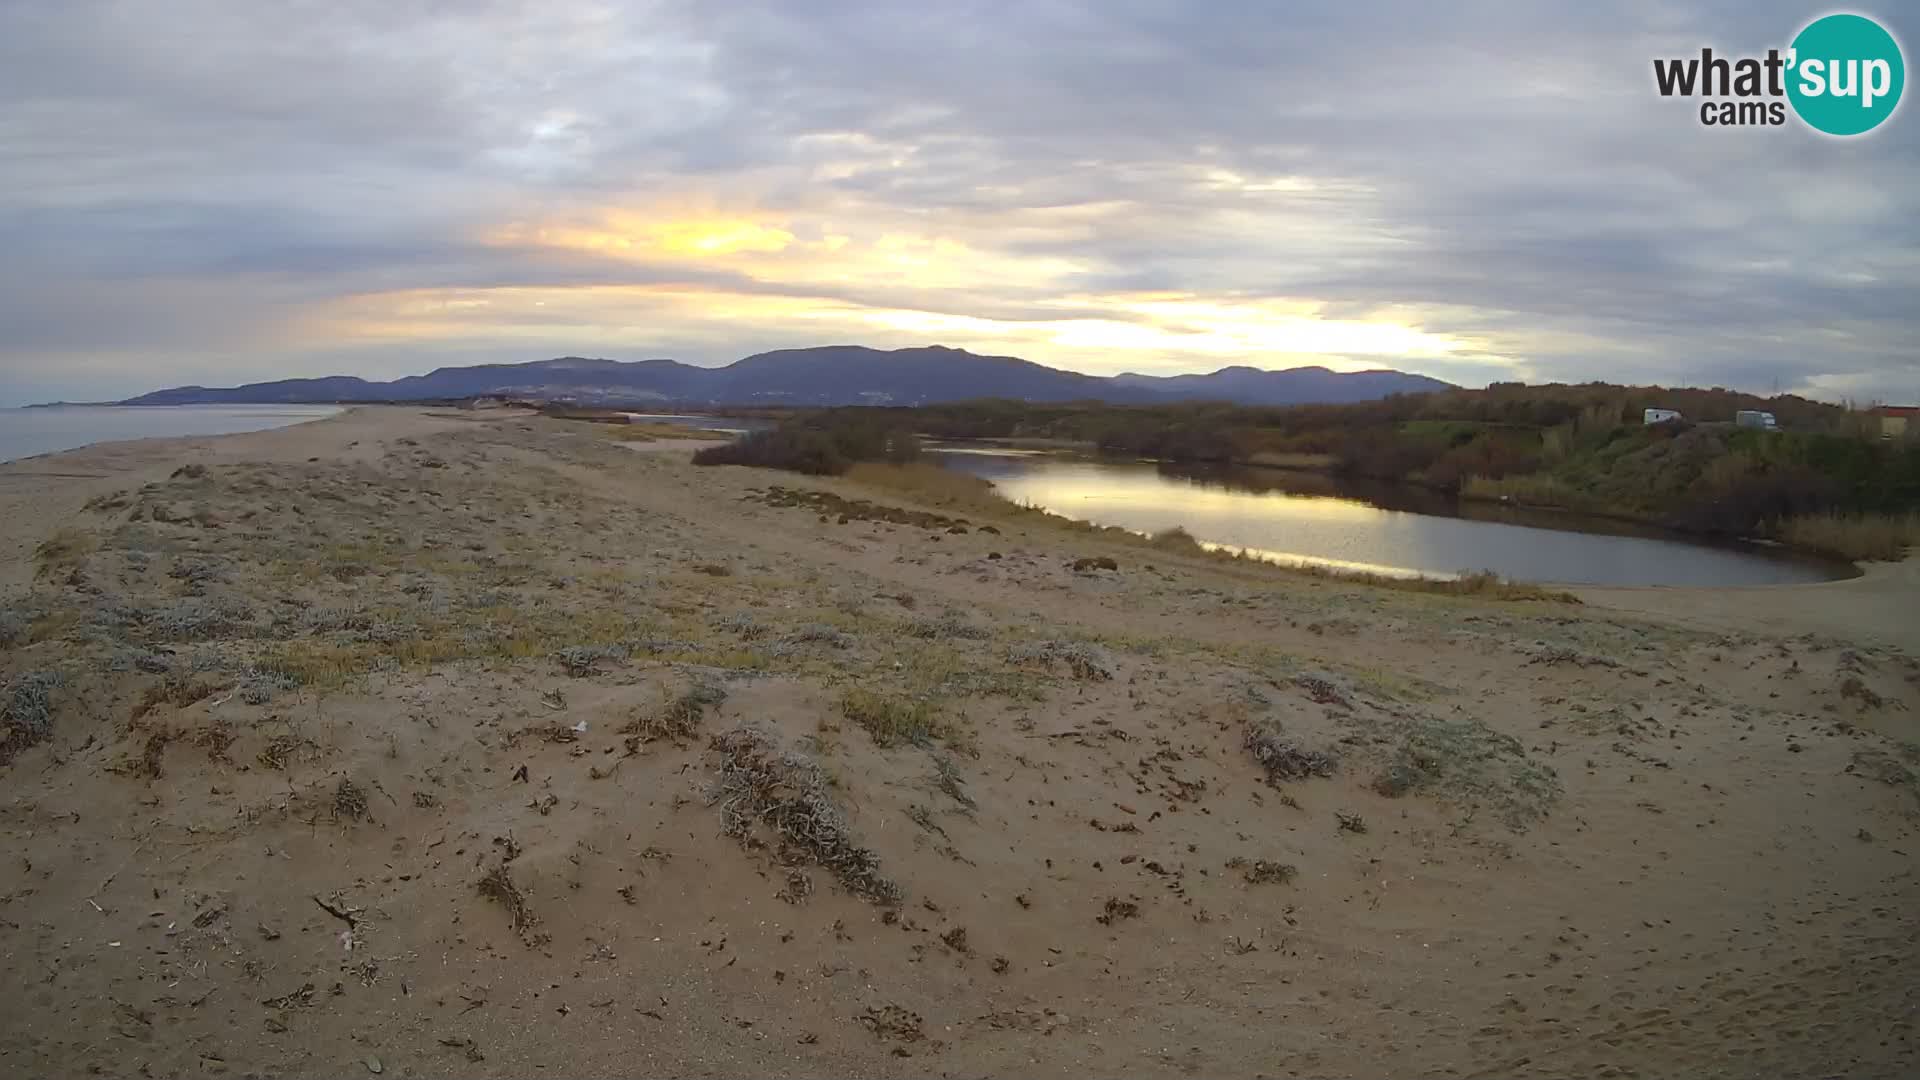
(49, 429)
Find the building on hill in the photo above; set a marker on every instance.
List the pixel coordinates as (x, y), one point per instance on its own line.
(1897, 421)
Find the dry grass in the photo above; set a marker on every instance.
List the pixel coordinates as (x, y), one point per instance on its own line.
(932, 484)
(640, 433)
(892, 719)
(580, 661)
(679, 719)
(65, 548)
(174, 692)
(555, 732)
(26, 712)
(1530, 489)
(1482, 584)
(17, 623)
(496, 633)
(1893, 765)
(1086, 662)
(1464, 761)
(278, 752)
(153, 757)
(944, 626)
(1263, 871)
(765, 794)
(651, 432)
(350, 801)
(1282, 758)
(499, 887)
(893, 1022)
(1880, 537)
(1176, 540)
(319, 664)
(935, 670)
(948, 779)
(52, 626)
(1277, 459)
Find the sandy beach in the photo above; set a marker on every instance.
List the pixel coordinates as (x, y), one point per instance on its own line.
(431, 743)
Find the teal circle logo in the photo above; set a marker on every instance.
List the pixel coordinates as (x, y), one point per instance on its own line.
(1846, 74)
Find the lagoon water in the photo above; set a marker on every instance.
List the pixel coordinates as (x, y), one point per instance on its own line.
(1310, 518)
(27, 432)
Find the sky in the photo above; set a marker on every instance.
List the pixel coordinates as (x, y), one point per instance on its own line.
(211, 191)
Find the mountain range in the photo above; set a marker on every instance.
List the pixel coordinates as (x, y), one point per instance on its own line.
(830, 375)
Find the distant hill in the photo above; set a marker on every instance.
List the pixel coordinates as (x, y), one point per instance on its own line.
(830, 375)
(1292, 386)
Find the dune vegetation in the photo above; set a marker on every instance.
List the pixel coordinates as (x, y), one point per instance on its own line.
(1854, 536)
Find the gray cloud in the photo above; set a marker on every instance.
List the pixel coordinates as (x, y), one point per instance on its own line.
(184, 186)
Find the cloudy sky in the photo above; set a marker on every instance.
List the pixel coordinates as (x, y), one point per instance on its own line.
(218, 191)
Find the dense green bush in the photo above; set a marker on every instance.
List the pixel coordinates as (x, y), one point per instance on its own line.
(823, 444)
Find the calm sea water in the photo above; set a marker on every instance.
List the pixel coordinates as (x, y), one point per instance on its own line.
(1313, 519)
(26, 432)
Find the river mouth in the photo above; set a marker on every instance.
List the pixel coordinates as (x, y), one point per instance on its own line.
(1313, 519)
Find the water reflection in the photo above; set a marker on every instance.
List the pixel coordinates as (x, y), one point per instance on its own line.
(1318, 519)
(732, 425)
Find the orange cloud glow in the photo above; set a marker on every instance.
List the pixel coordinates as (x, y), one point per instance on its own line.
(777, 248)
(626, 234)
(854, 276)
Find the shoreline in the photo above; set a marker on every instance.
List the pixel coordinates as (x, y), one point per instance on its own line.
(1873, 600)
(1878, 605)
(1327, 469)
(1836, 567)
(337, 410)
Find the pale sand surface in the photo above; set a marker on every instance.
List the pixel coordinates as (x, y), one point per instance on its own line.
(1882, 606)
(1664, 833)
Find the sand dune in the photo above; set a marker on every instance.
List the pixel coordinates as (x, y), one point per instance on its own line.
(439, 745)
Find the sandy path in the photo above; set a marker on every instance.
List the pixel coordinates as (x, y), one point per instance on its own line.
(678, 447)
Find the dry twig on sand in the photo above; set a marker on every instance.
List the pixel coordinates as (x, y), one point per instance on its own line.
(499, 887)
(1283, 759)
(763, 788)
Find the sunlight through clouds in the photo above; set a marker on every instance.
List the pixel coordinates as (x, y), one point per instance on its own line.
(626, 234)
(385, 186)
(1138, 333)
(777, 249)
(801, 266)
